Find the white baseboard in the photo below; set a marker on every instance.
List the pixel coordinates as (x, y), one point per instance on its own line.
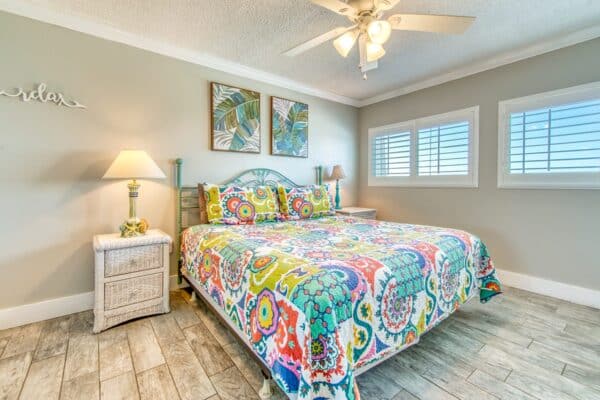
(563, 291)
(28, 313)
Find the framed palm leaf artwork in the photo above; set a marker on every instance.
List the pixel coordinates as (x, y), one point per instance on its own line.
(235, 122)
(289, 128)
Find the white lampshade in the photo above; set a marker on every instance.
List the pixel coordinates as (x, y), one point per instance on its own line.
(344, 43)
(338, 173)
(374, 51)
(379, 31)
(133, 164)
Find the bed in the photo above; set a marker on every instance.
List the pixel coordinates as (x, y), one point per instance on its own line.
(319, 301)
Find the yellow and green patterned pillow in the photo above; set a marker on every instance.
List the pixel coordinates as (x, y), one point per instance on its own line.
(234, 205)
(304, 202)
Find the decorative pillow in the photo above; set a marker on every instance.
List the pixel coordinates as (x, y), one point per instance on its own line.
(234, 205)
(303, 202)
(202, 204)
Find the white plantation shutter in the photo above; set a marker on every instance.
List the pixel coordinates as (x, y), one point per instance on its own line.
(391, 154)
(435, 151)
(444, 149)
(551, 139)
(556, 139)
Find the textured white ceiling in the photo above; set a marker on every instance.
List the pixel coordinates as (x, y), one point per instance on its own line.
(254, 33)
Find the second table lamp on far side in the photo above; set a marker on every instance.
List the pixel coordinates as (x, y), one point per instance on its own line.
(337, 174)
(133, 164)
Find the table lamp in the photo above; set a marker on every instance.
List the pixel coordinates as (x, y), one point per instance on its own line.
(337, 173)
(133, 164)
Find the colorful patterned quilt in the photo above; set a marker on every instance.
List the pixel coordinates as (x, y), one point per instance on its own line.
(320, 298)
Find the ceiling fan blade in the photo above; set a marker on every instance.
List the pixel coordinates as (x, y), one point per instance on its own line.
(332, 34)
(385, 5)
(337, 6)
(430, 23)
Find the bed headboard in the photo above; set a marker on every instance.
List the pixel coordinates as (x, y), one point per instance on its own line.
(188, 210)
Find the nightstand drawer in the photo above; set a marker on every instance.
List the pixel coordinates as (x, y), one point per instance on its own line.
(132, 259)
(133, 290)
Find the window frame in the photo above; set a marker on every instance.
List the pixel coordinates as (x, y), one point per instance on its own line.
(551, 180)
(470, 180)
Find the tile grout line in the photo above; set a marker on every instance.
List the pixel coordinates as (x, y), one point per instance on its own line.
(163, 353)
(438, 386)
(98, 369)
(137, 384)
(29, 367)
(25, 379)
(483, 389)
(221, 346)
(471, 374)
(66, 354)
(507, 376)
(62, 375)
(185, 338)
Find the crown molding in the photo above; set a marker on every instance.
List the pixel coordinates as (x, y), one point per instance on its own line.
(103, 31)
(494, 62)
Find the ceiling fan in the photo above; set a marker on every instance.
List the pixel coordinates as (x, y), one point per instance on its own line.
(372, 31)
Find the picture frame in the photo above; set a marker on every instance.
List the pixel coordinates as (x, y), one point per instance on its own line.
(234, 119)
(289, 128)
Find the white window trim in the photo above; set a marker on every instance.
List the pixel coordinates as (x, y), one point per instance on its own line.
(581, 180)
(470, 180)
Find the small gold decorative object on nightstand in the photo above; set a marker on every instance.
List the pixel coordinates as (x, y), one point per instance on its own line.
(358, 212)
(132, 277)
(133, 164)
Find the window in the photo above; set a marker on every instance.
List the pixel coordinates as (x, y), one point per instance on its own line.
(435, 151)
(392, 154)
(551, 140)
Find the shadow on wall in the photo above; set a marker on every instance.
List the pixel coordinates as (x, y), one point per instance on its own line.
(81, 171)
(72, 267)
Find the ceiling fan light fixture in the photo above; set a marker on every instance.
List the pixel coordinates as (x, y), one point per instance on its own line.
(379, 31)
(374, 51)
(344, 43)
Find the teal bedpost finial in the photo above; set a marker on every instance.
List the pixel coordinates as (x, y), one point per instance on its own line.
(319, 175)
(178, 163)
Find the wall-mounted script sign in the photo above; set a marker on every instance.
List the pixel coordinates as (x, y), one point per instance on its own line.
(40, 94)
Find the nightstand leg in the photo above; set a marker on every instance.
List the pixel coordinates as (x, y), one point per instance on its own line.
(193, 299)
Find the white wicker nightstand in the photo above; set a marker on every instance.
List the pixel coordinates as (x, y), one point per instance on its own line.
(358, 212)
(132, 277)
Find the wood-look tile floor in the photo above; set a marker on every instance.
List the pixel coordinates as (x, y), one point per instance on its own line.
(518, 346)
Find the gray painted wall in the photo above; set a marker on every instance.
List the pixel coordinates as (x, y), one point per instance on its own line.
(52, 158)
(551, 234)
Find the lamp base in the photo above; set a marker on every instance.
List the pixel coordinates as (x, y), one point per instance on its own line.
(134, 227)
(337, 195)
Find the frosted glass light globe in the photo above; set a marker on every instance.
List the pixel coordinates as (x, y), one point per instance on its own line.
(379, 31)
